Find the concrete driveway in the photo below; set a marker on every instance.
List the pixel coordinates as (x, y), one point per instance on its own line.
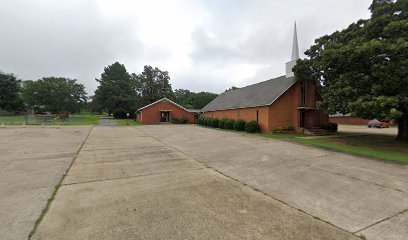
(32, 162)
(127, 184)
(189, 182)
(362, 196)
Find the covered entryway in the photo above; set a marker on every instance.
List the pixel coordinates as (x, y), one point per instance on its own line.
(308, 117)
(165, 116)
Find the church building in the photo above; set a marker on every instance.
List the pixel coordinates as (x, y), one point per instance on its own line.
(279, 102)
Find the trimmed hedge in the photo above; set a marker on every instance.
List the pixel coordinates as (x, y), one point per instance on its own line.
(252, 127)
(215, 123)
(222, 123)
(229, 124)
(239, 125)
(333, 127)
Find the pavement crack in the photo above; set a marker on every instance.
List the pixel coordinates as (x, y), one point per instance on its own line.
(54, 193)
(356, 178)
(380, 221)
(245, 184)
(128, 177)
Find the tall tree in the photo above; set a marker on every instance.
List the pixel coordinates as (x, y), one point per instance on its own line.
(10, 88)
(183, 97)
(193, 100)
(153, 84)
(364, 69)
(199, 100)
(116, 92)
(54, 94)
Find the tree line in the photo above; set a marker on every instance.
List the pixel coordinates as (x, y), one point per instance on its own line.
(118, 93)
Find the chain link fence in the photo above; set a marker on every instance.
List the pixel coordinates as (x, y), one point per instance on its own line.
(48, 120)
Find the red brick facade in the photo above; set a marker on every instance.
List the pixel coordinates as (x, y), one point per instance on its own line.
(152, 114)
(284, 112)
(349, 120)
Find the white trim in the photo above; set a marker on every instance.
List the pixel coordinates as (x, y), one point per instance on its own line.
(161, 100)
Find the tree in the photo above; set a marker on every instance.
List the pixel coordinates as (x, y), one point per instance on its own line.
(54, 94)
(10, 88)
(116, 92)
(231, 89)
(363, 69)
(199, 100)
(183, 97)
(153, 84)
(191, 99)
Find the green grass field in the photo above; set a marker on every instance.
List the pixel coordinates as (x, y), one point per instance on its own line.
(73, 120)
(280, 135)
(125, 122)
(374, 146)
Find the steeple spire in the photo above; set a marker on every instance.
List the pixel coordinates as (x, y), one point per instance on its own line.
(295, 45)
(295, 55)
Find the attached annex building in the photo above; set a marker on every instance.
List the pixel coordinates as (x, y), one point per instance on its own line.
(164, 111)
(280, 102)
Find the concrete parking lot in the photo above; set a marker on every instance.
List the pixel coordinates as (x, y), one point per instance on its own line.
(125, 184)
(362, 196)
(190, 182)
(32, 162)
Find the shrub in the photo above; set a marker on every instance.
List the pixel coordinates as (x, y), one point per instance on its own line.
(202, 121)
(175, 120)
(252, 127)
(184, 120)
(229, 124)
(276, 129)
(206, 121)
(333, 127)
(222, 123)
(119, 113)
(215, 123)
(288, 128)
(239, 125)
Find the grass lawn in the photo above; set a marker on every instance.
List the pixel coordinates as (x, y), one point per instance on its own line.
(374, 146)
(73, 120)
(125, 122)
(280, 135)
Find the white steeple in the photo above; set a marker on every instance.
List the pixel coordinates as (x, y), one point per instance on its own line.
(295, 46)
(295, 55)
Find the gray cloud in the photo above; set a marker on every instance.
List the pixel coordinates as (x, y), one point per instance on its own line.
(231, 42)
(71, 39)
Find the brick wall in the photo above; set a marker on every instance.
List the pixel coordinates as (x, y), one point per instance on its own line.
(349, 120)
(282, 113)
(151, 115)
(246, 114)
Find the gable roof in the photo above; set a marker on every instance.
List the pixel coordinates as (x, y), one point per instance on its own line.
(259, 94)
(167, 100)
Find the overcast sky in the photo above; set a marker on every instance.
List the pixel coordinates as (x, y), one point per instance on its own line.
(205, 45)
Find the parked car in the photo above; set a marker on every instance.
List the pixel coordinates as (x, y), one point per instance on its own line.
(378, 124)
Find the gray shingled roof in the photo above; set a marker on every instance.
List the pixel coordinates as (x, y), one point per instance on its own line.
(259, 94)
